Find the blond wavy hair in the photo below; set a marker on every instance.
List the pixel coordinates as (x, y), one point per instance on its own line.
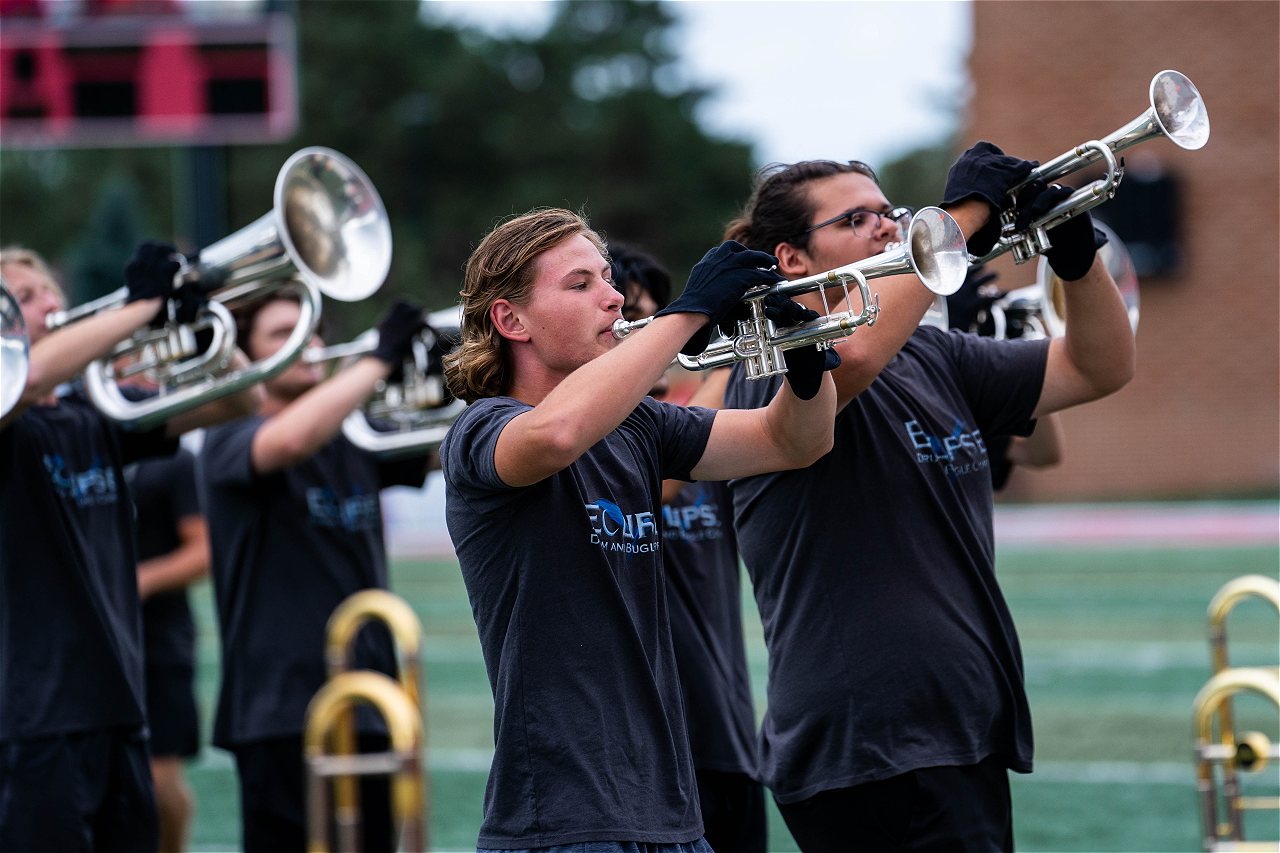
(502, 267)
(17, 256)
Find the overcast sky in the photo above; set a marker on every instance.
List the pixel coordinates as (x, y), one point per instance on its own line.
(803, 79)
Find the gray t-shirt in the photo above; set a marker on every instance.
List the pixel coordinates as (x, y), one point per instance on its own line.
(566, 585)
(70, 629)
(704, 588)
(890, 644)
(288, 548)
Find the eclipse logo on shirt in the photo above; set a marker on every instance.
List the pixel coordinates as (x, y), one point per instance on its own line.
(358, 512)
(614, 530)
(94, 486)
(962, 452)
(694, 522)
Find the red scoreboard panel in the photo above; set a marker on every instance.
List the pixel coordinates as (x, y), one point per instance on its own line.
(118, 80)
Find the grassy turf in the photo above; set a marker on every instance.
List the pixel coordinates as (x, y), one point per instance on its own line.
(1115, 650)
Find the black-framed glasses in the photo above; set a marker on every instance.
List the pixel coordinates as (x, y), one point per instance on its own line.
(865, 222)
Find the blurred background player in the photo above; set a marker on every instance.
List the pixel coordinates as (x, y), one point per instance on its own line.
(296, 524)
(704, 594)
(896, 697)
(173, 553)
(74, 771)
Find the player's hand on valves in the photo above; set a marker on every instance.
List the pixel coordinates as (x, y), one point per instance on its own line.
(805, 365)
(987, 173)
(396, 332)
(1074, 242)
(186, 302)
(716, 285)
(149, 274)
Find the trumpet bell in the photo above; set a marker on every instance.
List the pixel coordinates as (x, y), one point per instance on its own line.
(1053, 306)
(1179, 110)
(938, 256)
(14, 351)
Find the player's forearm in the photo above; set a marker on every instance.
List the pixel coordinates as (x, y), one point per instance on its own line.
(1099, 340)
(176, 570)
(802, 430)
(314, 419)
(591, 401)
(903, 302)
(63, 353)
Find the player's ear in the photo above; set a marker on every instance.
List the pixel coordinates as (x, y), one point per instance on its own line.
(505, 316)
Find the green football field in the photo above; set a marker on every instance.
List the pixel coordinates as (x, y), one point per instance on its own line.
(1115, 647)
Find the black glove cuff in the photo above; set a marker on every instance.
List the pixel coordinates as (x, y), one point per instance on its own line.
(1074, 263)
(698, 344)
(984, 239)
(805, 366)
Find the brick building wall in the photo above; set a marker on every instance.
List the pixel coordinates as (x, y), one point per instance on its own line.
(1202, 416)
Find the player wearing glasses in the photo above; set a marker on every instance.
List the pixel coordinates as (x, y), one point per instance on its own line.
(896, 702)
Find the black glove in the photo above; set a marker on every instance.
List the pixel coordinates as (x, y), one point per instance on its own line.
(1074, 242)
(805, 365)
(396, 331)
(150, 272)
(716, 285)
(187, 301)
(785, 311)
(985, 172)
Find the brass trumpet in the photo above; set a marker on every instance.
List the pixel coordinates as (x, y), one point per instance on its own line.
(934, 250)
(331, 718)
(414, 413)
(327, 232)
(1177, 112)
(14, 351)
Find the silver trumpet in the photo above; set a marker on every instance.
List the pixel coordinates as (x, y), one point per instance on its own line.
(14, 351)
(1039, 310)
(408, 417)
(1177, 112)
(327, 232)
(934, 250)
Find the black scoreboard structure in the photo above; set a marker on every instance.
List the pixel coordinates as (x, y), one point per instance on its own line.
(113, 81)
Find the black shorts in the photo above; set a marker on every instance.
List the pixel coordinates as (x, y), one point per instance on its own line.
(930, 809)
(171, 711)
(79, 791)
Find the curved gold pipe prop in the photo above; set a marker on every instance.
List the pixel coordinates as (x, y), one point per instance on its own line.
(356, 611)
(330, 707)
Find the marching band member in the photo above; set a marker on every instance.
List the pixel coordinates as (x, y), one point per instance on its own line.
(552, 481)
(173, 553)
(704, 595)
(896, 698)
(296, 527)
(74, 769)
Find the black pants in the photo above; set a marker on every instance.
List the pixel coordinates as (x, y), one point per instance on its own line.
(80, 791)
(931, 809)
(732, 812)
(273, 802)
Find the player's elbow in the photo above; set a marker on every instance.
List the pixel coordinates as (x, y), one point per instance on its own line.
(1118, 372)
(804, 448)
